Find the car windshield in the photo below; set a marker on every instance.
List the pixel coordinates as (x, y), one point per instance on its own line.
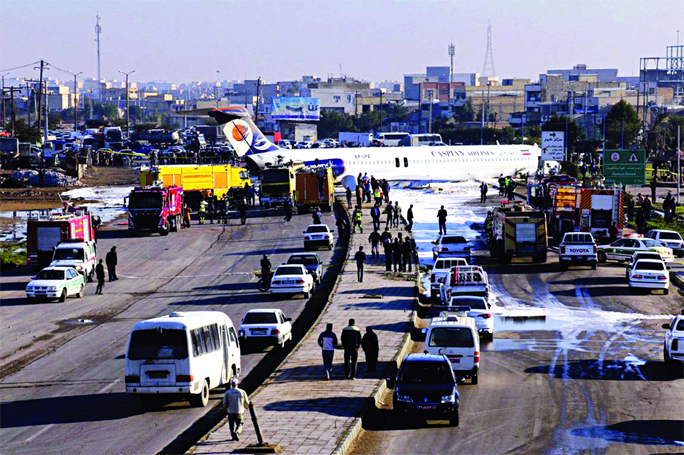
(145, 200)
(260, 318)
(451, 337)
(654, 256)
(670, 236)
(680, 325)
(50, 275)
(652, 243)
(309, 259)
(473, 303)
(317, 229)
(288, 271)
(68, 253)
(426, 373)
(158, 344)
(641, 265)
(453, 239)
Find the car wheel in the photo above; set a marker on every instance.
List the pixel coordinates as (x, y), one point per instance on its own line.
(91, 276)
(564, 266)
(454, 420)
(475, 379)
(63, 296)
(307, 294)
(30, 299)
(330, 247)
(593, 266)
(80, 291)
(149, 402)
(667, 291)
(666, 356)
(201, 399)
(601, 256)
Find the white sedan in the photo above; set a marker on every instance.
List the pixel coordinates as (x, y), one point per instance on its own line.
(451, 245)
(266, 325)
(318, 235)
(292, 279)
(55, 283)
(480, 310)
(649, 274)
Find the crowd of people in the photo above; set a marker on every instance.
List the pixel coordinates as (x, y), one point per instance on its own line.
(351, 341)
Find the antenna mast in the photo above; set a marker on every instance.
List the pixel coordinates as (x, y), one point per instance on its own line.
(452, 51)
(98, 31)
(488, 68)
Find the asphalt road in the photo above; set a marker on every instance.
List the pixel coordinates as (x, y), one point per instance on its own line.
(62, 364)
(578, 370)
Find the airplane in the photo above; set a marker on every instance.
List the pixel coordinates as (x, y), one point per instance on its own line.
(395, 164)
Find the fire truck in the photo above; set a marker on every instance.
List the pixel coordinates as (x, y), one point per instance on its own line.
(597, 210)
(517, 230)
(45, 230)
(278, 184)
(314, 187)
(154, 208)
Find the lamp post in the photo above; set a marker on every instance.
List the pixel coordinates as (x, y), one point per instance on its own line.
(128, 111)
(76, 101)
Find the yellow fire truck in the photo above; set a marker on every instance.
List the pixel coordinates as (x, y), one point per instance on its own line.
(314, 187)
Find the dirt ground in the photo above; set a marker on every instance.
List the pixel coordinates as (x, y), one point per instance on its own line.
(37, 198)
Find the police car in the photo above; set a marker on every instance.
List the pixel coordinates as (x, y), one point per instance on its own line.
(55, 283)
(623, 249)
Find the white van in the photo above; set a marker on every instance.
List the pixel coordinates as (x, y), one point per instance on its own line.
(390, 139)
(181, 354)
(457, 338)
(79, 255)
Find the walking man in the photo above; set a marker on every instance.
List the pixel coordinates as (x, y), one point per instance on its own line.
(243, 211)
(390, 215)
(388, 248)
(351, 341)
(111, 260)
(369, 343)
(407, 253)
(397, 214)
(99, 273)
(396, 254)
(483, 192)
(266, 271)
(375, 215)
(441, 217)
(409, 218)
(288, 210)
(360, 257)
(374, 240)
(235, 401)
(349, 197)
(328, 341)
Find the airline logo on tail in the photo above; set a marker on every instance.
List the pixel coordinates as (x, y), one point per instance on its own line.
(242, 133)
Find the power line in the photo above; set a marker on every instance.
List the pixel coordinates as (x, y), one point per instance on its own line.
(19, 67)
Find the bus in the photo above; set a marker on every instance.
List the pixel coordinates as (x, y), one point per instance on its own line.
(390, 139)
(184, 354)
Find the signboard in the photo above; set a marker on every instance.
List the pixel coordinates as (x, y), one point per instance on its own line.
(624, 167)
(296, 108)
(553, 146)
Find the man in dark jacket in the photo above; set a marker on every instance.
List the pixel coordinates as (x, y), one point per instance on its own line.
(390, 215)
(387, 247)
(441, 217)
(360, 257)
(369, 343)
(351, 340)
(266, 271)
(111, 264)
(243, 211)
(409, 218)
(407, 254)
(374, 240)
(99, 273)
(375, 215)
(397, 250)
(349, 197)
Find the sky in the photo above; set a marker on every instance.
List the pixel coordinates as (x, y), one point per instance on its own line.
(377, 40)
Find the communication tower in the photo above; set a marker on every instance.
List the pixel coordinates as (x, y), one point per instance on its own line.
(488, 69)
(452, 51)
(98, 31)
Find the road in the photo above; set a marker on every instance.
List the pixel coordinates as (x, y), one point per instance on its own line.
(575, 366)
(62, 364)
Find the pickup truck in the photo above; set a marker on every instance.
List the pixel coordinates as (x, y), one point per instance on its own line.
(439, 271)
(578, 248)
(468, 280)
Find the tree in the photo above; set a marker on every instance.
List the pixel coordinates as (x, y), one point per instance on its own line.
(105, 111)
(622, 126)
(136, 114)
(54, 120)
(23, 132)
(332, 122)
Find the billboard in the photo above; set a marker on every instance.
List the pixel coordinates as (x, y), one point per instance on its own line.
(296, 108)
(624, 167)
(553, 146)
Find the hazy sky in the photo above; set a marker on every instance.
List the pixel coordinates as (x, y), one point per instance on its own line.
(180, 41)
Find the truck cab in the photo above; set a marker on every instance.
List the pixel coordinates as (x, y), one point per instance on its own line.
(578, 248)
(78, 255)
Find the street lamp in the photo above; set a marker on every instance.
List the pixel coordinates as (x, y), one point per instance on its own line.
(128, 111)
(76, 100)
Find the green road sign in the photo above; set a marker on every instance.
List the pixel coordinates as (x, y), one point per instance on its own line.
(624, 167)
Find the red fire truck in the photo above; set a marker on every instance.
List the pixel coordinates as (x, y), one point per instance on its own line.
(155, 208)
(47, 229)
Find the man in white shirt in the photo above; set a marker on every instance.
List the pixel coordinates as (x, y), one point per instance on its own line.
(235, 401)
(328, 341)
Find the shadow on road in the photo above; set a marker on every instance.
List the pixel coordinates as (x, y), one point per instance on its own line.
(336, 406)
(643, 432)
(608, 370)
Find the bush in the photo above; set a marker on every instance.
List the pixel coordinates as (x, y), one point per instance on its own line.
(12, 254)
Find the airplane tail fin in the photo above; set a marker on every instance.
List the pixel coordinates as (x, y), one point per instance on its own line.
(245, 137)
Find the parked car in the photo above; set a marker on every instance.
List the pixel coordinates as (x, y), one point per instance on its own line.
(285, 144)
(451, 245)
(673, 349)
(312, 263)
(477, 308)
(641, 255)
(318, 235)
(292, 279)
(670, 239)
(425, 386)
(55, 283)
(456, 337)
(649, 274)
(623, 249)
(269, 325)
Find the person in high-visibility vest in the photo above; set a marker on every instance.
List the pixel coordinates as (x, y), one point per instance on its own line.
(186, 216)
(357, 220)
(202, 211)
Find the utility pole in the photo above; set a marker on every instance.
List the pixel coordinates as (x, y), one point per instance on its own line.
(46, 123)
(217, 90)
(128, 110)
(382, 111)
(489, 85)
(4, 113)
(430, 117)
(13, 118)
(28, 104)
(76, 101)
(40, 93)
(482, 108)
(256, 111)
(679, 158)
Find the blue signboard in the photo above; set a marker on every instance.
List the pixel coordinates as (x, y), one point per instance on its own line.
(296, 108)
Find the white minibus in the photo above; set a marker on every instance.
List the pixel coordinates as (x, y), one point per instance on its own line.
(457, 338)
(181, 354)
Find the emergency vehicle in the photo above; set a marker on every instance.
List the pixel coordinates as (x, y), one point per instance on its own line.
(277, 184)
(45, 230)
(517, 230)
(314, 187)
(154, 208)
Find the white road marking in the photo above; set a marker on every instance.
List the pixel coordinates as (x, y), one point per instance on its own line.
(40, 432)
(107, 387)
